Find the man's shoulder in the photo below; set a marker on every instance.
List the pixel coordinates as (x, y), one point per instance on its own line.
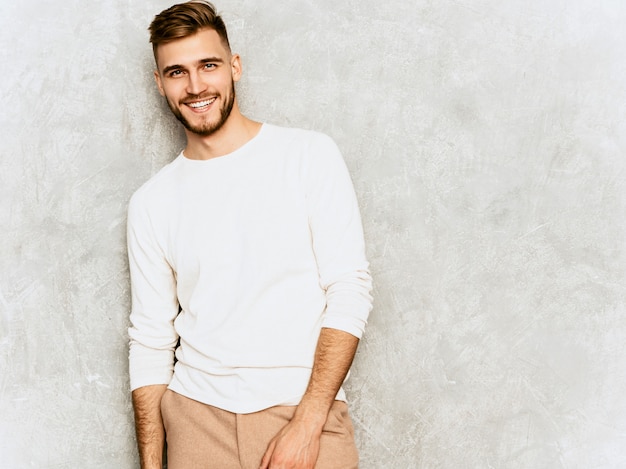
(300, 137)
(294, 132)
(158, 185)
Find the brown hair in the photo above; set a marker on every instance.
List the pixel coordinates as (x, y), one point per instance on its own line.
(186, 19)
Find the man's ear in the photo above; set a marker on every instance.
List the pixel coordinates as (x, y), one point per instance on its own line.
(157, 78)
(235, 67)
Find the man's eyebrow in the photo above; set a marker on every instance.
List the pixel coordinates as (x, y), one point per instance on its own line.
(169, 68)
(211, 60)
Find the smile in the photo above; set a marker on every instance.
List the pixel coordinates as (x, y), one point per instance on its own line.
(201, 104)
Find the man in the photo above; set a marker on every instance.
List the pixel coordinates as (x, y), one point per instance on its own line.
(247, 262)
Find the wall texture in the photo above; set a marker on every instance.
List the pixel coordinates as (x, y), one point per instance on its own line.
(486, 140)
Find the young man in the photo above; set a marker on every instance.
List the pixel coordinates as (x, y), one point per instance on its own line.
(247, 262)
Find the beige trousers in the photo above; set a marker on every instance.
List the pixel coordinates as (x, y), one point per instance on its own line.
(201, 436)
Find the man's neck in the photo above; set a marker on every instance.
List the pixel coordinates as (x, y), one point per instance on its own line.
(236, 132)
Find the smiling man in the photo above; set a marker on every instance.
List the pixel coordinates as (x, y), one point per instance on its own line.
(250, 286)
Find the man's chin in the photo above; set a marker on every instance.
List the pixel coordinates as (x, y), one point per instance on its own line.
(203, 130)
(200, 130)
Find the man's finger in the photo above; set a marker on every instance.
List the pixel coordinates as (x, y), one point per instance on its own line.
(265, 462)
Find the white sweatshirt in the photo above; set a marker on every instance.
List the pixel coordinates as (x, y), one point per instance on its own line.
(258, 250)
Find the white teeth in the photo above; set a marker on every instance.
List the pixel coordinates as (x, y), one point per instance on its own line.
(201, 103)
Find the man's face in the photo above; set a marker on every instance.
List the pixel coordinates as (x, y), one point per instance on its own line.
(197, 76)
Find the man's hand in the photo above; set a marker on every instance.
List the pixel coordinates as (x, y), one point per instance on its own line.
(296, 446)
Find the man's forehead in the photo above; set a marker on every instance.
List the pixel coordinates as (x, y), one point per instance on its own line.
(190, 49)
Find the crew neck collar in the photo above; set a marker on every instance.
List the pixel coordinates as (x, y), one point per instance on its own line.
(228, 156)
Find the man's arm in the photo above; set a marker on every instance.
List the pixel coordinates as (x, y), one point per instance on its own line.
(149, 425)
(297, 445)
(151, 332)
(339, 249)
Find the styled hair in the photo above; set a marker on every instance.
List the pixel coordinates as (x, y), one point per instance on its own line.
(186, 19)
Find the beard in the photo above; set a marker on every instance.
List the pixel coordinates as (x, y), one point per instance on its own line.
(206, 128)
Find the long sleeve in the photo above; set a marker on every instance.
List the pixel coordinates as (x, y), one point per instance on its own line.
(154, 302)
(338, 242)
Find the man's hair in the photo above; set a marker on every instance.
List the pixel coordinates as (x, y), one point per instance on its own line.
(186, 19)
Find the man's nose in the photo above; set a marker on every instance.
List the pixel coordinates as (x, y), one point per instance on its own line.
(195, 85)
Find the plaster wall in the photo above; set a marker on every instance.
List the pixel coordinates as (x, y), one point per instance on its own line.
(486, 141)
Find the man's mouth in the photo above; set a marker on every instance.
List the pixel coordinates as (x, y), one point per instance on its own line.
(201, 104)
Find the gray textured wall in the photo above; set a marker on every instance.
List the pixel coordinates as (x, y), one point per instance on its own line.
(486, 140)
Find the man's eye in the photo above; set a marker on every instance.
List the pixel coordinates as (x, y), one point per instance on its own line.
(209, 66)
(175, 73)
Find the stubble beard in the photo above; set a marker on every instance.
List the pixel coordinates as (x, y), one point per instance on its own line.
(206, 129)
